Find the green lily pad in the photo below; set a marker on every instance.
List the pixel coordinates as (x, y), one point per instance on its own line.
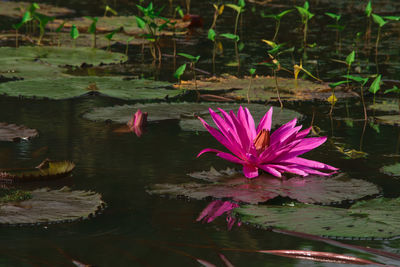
(263, 88)
(386, 105)
(51, 206)
(45, 171)
(392, 170)
(235, 186)
(17, 9)
(388, 119)
(185, 112)
(12, 132)
(70, 87)
(31, 62)
(377, 218)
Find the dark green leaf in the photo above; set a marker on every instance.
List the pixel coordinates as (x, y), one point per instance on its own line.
(140, 22)
(211, 35)
(179, 71)
(230, 36)
(74, 33)
(376, 85)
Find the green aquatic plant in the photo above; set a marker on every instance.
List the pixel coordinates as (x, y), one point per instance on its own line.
(193, 61)
(109, 9)
(219, 9)
(362, 82)
(395, 90)
(252, 71)
(74, 33)
(306, 15)
(179, 72)
(332, 98)
(58, 30)
(381, 22)
(25, 18)
(239, 10)
(277, 18)
(236, 39)
(43, 20)
(92, 29)
(150, 23)
(368, 13)
(109, 37)
(339, 28)
(375, 86)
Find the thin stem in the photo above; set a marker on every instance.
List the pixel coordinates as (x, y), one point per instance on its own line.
(237, 22)
(16, 38)
(333, 102)
(195, 80)
(376, 49)
(305, 33)
(363, 102)
(248, 89)
(278, 23)
(277, 89)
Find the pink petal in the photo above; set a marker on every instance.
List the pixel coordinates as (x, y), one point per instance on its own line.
(266, 121)
(205, 212)
(303, 133)
(304, 146)
(270, 170)
(276, 135)
(250, 171)
(224, 127)
(250, 123)
(222, 154)
(310, 163)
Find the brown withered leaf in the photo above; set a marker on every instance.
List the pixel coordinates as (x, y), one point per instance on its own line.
(44, 171)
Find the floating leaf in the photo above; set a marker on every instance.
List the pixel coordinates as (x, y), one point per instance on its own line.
(185, 112)
(32, 62)
(388, 119)
(12, 132)
(263, 88)
(14, 9)
(235, 186)
(45, 171)
(51, 206)
(70, 87)
(386, 106)
(392, 170)
(377, 218)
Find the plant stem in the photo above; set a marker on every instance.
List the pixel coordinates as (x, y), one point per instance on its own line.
(333, 101)
(278, 23)
(305, 33)
(237, 22)
(16, 38)
(248, 89)
(376, 49)
(363, 102)
(277, 89)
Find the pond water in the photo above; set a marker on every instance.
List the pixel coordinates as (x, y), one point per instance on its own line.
(136, 229)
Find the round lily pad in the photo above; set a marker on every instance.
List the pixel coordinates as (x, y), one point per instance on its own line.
(235, 186)
(185, 112)
(12, 132)
(392, 170)
(17, 9)
(70, 87)
(31, 62)
(263, 88)
(51, 206)
(388, 119)
(45, 171)
(377, 218)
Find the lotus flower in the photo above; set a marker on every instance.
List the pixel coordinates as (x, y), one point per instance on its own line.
(137, 123)
(255, 148)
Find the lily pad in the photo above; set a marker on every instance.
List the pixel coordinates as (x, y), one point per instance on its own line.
(31, 62)
(108, 24)
(185, 112)
(263, 88)
(392, 170)
(12, 132)
(388, 119)
(386, 105)
(70, 87)
(17, 9)
(235, 186)
(51, 206)
(377, 218)
(45, 171)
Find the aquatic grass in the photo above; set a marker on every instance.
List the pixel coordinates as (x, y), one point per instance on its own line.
(25, 18)
(255, 148)
(381, 22)
(193, 61)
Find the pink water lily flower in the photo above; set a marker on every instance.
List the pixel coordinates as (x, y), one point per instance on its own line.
(138, 122)
(255, 148)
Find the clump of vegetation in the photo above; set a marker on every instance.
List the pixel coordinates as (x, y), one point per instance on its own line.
(13, 195)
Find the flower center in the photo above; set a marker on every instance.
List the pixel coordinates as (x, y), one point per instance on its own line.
(262, 140)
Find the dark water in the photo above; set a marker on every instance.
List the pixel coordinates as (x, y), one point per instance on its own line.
(141, 230)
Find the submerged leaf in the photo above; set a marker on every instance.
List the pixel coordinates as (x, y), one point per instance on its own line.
(377, 218)
(185, 112)
(235, 186)
(51, 206)
(12, 132)
(71, 87)
(45, 171)
(392, 170)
